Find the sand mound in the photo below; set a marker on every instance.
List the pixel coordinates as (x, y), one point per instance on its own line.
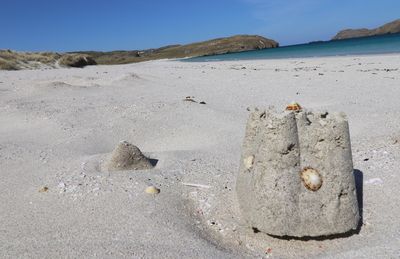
(127, 77)
(58, 84)
(128, 157)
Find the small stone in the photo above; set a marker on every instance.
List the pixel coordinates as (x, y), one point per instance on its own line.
(152, 190)
(248, 162)
(44, 189)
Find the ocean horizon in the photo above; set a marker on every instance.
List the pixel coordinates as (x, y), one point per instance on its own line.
(382, 44)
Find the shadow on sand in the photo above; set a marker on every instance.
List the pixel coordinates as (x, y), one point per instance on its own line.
(153, 161)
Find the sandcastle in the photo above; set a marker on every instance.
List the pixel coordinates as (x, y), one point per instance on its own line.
(296, 174)
(127, 157)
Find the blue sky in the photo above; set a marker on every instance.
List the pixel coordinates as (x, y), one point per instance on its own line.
(67, 25)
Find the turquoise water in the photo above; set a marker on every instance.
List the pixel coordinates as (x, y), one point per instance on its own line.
(360, 46)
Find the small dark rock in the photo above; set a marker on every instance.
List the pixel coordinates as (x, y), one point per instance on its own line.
(76, 60)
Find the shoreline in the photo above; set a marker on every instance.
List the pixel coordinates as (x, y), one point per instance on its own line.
(288, 58)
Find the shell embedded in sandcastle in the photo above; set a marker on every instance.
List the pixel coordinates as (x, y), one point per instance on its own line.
(127, 157)
(296, 174)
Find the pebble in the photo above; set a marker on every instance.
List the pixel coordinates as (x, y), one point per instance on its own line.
(44, 189)
(248, 162)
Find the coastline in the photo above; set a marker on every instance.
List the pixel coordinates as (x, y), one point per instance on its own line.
(388, 54)
(59, 124)
(374, 45)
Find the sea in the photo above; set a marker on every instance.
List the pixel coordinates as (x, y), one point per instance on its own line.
(384, 44)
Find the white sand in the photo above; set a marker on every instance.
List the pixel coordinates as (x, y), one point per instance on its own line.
(56, 126)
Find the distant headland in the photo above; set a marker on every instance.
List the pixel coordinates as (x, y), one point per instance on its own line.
(388, 28)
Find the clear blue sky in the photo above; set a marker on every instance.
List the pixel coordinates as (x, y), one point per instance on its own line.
(67, 25)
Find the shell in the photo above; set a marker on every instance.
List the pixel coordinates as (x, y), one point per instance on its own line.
(248, 162)
(152, 190)
(311, 178)
(293, 107)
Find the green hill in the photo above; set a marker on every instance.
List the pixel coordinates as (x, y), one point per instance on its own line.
(11, 60)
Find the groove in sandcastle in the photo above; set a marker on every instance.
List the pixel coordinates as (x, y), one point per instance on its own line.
(296, 174)
(127, 157)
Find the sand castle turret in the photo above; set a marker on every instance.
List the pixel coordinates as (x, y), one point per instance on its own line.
(296, 174)
(127, 157)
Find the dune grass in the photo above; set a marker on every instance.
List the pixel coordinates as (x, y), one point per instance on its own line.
(12, 60)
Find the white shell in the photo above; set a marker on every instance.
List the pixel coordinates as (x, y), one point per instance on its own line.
(248, 162)
(311, 178)
(152, 190)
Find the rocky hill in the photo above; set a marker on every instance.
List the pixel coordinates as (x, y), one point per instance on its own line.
(389, 28)
(11, 60)
(236, 43)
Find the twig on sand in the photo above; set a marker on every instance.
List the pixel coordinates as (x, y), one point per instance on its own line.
(189, 99)
(197, 185)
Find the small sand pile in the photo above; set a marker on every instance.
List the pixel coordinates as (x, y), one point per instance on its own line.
(128, 157)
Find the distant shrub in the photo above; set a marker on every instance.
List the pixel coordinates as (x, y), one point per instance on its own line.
(7, 65)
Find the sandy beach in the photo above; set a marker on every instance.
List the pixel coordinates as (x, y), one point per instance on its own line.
(57, 127)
